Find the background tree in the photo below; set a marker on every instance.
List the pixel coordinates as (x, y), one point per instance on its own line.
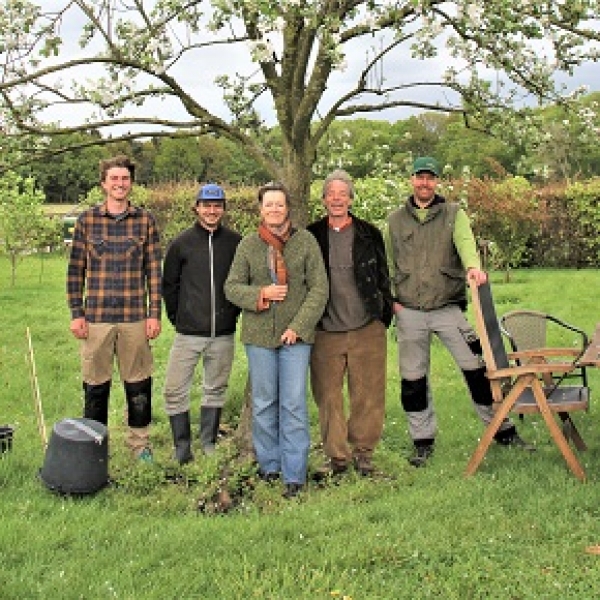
(133, 54)
(466, 150)
(360, 146)
(179, 159)
(22, 221)
(69, 176)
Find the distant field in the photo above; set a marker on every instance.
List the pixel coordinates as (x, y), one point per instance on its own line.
(60, 210)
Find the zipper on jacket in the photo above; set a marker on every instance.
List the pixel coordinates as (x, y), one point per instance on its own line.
(213, 317)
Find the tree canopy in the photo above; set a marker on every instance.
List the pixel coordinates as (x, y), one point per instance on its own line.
(131, 55)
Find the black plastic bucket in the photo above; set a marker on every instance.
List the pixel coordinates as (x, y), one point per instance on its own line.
(76, 459)
(6, 438)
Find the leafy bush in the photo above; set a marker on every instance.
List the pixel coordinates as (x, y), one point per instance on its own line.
(517, 224)
(503, 214)
(583, 200)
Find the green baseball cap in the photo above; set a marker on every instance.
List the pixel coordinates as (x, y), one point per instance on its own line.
(426, 163)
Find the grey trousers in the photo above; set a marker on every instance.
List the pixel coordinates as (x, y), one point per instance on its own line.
(217, 358)
(415, 329)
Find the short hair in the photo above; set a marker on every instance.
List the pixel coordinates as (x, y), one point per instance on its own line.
(121, 161)
(274, 186)
(339, 175)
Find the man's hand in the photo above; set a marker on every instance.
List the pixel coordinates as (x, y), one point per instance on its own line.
(476, 275)
(152, 328)
(79, 328)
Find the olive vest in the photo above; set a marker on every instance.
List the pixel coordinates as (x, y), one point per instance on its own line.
(428, 272)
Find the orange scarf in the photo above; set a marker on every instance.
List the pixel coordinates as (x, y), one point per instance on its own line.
(275, 260)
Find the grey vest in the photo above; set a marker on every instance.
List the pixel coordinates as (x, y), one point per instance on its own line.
(428, 272)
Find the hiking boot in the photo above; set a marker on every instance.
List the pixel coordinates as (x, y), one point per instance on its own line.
(363, 465)
(292, 490)
(421, 455)
(145, 456)
(333, 466)
(516, 441)
(269, 477)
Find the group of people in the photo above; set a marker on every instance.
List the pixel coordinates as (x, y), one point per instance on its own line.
(315, 304)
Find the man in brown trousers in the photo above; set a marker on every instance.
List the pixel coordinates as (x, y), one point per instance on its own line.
(351, 336)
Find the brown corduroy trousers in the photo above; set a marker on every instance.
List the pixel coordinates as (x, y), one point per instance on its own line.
(361, 356)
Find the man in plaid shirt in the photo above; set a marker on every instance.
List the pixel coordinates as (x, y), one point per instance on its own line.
(114, 294)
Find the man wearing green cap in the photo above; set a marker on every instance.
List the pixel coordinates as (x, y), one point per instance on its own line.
(433, 252)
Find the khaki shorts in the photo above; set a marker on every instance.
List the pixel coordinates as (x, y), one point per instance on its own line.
(127, 341)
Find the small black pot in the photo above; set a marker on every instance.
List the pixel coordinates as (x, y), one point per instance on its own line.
(76, 459)
(6, 438)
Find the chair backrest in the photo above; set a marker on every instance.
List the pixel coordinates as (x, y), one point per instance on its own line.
(494, 352)
(530, 329)
(526, 329)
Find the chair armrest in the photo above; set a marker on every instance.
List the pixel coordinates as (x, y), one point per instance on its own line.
(544, 353)
(562, 323)
(531, 369)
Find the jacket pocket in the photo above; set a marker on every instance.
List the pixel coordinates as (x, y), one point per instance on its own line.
(453, 273)
(134, 247)
(97, 248)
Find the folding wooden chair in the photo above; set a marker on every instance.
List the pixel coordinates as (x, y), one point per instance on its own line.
(520, 388)
(530, 330)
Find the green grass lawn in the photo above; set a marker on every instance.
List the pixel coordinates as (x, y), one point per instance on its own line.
(518, 529)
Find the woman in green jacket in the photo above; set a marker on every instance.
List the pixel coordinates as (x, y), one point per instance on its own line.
(278, 280)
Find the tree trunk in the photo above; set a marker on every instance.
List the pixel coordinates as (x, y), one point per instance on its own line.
(13, 268)
(243, 433)
(297, 175)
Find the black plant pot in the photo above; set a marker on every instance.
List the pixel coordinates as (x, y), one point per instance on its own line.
(76, 460)
(6, 438)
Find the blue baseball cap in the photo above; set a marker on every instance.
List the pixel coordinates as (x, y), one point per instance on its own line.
(210, 192)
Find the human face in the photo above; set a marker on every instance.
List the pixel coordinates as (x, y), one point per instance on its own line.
(273, 209)
(117, 184)
(210, 214)
(337, 199)
(424, 185)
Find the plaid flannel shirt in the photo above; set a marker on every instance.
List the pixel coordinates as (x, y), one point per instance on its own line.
(117, 261)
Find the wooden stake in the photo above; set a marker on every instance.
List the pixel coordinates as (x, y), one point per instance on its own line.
(36, 394)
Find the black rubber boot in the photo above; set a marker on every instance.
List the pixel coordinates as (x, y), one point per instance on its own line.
(96, 401)
(182, 437)
(210, 417)
(422, 452)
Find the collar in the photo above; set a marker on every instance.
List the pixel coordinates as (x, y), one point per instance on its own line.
(437, 199)
(341, 227)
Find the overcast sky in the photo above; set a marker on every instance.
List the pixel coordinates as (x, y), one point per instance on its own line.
(198, 78)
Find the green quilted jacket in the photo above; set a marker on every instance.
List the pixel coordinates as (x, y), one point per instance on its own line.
(308, 289)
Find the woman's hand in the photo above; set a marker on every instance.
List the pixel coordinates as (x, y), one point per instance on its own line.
(289, 337)
(275, 292)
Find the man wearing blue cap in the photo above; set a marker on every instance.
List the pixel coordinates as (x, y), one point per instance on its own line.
(196, 265)
(433, 252)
